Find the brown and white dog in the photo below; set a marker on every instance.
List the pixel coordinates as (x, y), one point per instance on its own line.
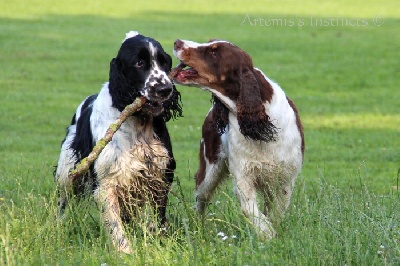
(252, 131)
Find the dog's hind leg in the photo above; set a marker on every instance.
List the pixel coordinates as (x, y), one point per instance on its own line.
(65, 164)
(106, 198)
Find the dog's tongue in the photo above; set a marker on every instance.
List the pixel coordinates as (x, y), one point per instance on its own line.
(180, 72)
(188, 72)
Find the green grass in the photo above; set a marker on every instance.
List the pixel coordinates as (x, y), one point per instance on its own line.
(343, 79)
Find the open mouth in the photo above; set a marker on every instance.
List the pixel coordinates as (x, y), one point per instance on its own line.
(153, 107)
(183, 72)
(154, 104)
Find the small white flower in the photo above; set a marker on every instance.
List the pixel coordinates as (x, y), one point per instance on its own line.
(381, 249)
(217, 202)
(222, 234)
(234, 236)
(225, 238)
(211, 214)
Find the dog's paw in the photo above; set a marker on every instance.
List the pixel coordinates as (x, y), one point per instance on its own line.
(265, 230)
(126, 249)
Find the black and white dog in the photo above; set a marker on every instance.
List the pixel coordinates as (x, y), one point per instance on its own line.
(137, 166)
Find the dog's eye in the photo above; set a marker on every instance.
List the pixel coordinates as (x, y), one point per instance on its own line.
(139, 63)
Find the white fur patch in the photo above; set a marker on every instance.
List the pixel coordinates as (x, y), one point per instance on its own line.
(130, 34)
(191, 44)
(230, 104)
(178, 54)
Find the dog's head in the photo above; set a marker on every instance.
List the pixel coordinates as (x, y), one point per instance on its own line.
(227, 71)
(141, 69)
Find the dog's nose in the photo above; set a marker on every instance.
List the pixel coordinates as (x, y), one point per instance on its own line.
(164, 90)
(178, 44)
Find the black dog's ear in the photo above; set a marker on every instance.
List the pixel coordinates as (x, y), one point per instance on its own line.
(119, 85)
(115, 62)
(115, 69)
(116, 77)
(173, 107)
(253, 121)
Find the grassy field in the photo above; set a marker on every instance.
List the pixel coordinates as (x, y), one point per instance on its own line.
(338, 61)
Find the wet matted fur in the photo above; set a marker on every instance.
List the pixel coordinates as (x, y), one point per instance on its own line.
(137, 166)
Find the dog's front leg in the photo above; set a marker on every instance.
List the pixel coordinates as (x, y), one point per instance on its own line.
(107, 200)
(212, 161)
(246, 193)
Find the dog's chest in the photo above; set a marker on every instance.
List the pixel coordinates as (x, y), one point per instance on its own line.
(280, 157)
(145, 158)
(138, 173)
(137, 158)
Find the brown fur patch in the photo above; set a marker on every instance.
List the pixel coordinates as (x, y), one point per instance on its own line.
(211, 144)
(299, 125)
(253, 121)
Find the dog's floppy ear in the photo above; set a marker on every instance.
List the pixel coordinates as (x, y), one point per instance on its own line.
(115, 71)
(253, 121)
(118, 79)
(119, 85)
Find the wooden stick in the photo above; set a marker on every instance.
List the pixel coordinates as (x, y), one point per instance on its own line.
(85, 163)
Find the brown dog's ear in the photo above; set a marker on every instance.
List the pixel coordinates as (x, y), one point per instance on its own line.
(254, 123)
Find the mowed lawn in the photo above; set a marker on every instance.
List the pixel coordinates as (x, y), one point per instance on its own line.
(339, 62)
